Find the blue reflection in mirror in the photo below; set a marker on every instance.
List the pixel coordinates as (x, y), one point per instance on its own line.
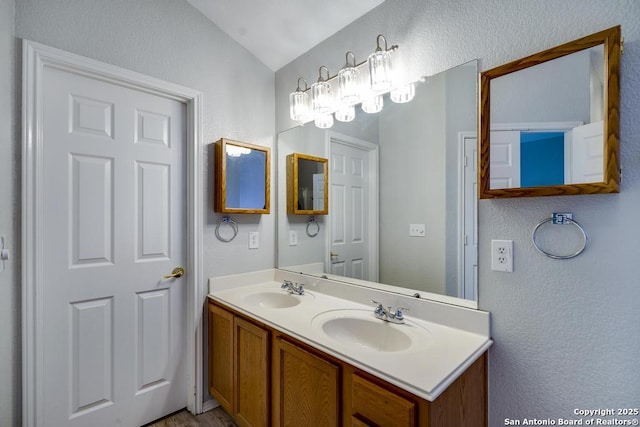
(246, 174)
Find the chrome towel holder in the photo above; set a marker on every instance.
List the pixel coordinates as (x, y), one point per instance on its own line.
(313, 221)
(227, 221)
(560, 219)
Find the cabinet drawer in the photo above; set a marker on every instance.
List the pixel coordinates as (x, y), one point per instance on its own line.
(373, 405)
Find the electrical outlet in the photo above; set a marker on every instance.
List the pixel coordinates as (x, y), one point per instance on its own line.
(502, 255)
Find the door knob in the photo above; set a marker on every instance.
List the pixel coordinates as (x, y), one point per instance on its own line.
(177, 272)
(333, 254)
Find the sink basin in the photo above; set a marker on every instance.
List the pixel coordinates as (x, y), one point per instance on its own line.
(361, 328)
(275, 299)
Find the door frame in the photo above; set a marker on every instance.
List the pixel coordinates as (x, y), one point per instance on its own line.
(36, 57)
(374, 218)
(463, 281)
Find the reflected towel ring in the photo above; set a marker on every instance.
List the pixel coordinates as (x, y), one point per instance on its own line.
(234, 226)
(312, 220)
(564, 222)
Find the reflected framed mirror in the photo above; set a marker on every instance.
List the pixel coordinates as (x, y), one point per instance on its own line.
(242, 174)
(411, 164)
(549, 123)
(307, 182)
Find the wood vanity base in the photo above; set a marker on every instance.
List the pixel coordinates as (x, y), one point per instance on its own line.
(309, 387)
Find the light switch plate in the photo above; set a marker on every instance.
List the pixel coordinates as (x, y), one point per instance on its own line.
(254, 242)
(417, 230)
(293, 238)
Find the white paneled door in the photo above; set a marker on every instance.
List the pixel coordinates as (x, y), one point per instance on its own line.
(349, 193)
(113, 209)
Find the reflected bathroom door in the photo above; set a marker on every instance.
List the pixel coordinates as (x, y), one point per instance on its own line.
(350, 211)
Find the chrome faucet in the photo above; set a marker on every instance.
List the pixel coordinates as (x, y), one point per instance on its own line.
(389, 315)
(292, 288)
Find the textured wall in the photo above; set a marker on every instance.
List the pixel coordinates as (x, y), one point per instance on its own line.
(166, 39)
(9, 200)
(566, 332)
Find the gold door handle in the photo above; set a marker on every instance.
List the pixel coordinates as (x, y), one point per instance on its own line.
(333, 254)
(177, 272)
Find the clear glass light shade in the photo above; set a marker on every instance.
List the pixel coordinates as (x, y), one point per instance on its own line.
(349, 83)
(403, 93)
(380, 71)
(346, 114)
(373, 104)
(299, 106)
(324, 121)
(321, 98)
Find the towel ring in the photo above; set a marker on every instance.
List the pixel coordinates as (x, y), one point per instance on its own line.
(312, 220)
(228, 221)
(557, 256)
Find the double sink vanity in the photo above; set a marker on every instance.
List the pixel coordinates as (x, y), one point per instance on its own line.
(325, 358)
(386, 332)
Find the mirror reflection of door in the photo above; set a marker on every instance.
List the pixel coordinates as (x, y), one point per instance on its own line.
(351, 217)
(566, 93)
(545, 154)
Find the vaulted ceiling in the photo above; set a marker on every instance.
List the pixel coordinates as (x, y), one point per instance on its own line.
(278, 31)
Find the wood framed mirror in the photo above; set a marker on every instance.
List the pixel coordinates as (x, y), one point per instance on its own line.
(242, 173)
(307, 185)
(549, 123)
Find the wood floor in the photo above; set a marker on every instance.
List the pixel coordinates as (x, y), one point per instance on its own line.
(215, 418)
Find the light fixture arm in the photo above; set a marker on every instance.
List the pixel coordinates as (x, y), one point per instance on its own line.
(306, 86)
(320, 79)
(353, 56)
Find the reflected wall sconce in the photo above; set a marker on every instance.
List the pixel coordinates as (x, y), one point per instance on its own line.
(336, 96)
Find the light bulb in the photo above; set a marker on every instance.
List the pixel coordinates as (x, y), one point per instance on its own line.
(380, 67)
(403, 93)
(380, 71)
(321, 94)
(349, 82)
(324, 121)
(299, 105)
(373, 104)
(346, 114)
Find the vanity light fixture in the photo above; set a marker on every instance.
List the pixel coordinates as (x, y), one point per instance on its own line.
(299, 103)
(336, 96)
(321, 94)
(380, 67)
(349, 82)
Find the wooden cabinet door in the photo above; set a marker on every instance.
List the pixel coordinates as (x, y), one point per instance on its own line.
(221, 384)
(305, 388)
(251, 374)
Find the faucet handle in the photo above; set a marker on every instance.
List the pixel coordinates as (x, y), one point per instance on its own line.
(399, 312)
(379, 310)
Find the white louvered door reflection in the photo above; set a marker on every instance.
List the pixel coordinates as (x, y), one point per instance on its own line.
(114, 224)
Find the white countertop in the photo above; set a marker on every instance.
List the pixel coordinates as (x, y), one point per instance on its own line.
(439, 353)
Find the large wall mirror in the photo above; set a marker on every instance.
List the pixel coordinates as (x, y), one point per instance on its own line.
(549, 122)
(242, 173)
(402, 191)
